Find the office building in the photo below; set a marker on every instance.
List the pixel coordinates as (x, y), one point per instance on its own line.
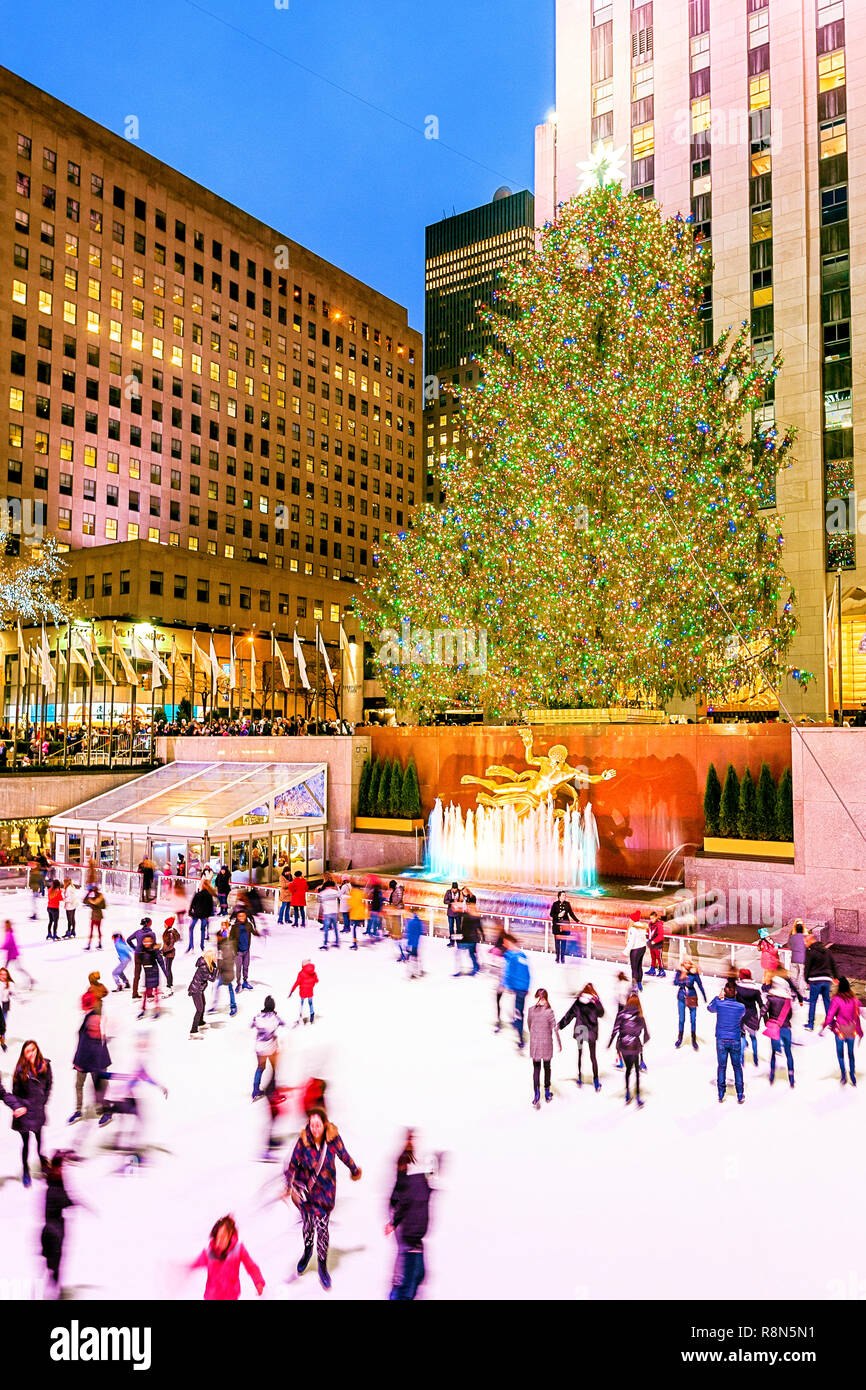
(742, 114)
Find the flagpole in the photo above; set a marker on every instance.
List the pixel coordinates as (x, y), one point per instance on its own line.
(193, 645)
(90, 701)
(317, 678)
(295, 677)
(152, 697)
(17, 706)
(56, 674)
(27, 695)
(273, 677)
(104, 692)
(342, 673)
(232, 668)
(253, 693)
(66, 694)
(111, 718)
(213, 684)
(173, 673)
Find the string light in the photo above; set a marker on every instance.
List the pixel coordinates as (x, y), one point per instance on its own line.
(605, 522)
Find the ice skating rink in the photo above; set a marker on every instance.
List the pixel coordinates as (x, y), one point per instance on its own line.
(686, 1199)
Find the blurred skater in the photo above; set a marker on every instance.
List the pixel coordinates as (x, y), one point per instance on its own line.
(170, 937)
(655, 939)
(414, 932)
(515, 979)
(409, 1222)
(92, 1058)
(267, 1025)
(205, 973)
(94, 901)
(635, 947)
(751, 996)
(12, 953)
(222, 1258)
(124, 956)
(57, 1203)
(843, 1020)
(780, 1007)
(687, 983)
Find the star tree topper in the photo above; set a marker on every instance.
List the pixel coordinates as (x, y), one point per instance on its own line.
(603, 166)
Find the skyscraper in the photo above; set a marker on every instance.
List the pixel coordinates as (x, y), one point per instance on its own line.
(736, 113)
(465, 257)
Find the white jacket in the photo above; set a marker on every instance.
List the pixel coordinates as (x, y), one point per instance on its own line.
(345, 890)
(70, 898)
(636, 937)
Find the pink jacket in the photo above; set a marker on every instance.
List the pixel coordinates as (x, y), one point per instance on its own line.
(843, 1015)
(769, 954)
(224, 1275)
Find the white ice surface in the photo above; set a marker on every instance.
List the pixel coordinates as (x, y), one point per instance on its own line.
(686, 1199)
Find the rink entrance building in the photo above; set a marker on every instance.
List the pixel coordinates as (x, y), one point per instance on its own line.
(250, 816)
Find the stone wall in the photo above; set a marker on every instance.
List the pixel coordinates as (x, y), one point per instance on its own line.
(653, 805)
(23, 795)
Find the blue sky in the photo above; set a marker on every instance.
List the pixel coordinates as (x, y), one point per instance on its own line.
(356, 184)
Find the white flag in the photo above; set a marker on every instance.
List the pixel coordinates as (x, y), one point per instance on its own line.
(125, 664)
(157, 665)
(284, 670)
(214, 669)
(94, 651)
(199, 657)
(81, 650)
(299, 657)
(233, 675)
(351, 651)
(49, 682)
(321, 645)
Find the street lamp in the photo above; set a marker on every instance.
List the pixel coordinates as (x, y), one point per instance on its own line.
(552, 121)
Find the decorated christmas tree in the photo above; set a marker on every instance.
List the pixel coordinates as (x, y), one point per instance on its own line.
(603, 525)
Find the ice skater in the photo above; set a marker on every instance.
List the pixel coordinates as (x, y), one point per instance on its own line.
(205, 973)
(561, 912)
(635, 948)
(305, 983)
(751, 996)
(31, 1087)
(225, 971)
(122, 1104)
(57, 1203)
(516, 980)
(311, 1184)
(586, 1011)
(655, 939)
(124, 956)
(780, 1007)
(267, 1025)
(92, 1058)
(12, 953)
(222, 1258)
(688, 984)
(541, 1021)
(729, 1027)
(631, 1033)
(243, 930)
(409, 1221)
(843, 1020)
(70, 904)
(7, 985)
(94, 900)
(414, 932)
(152, 965)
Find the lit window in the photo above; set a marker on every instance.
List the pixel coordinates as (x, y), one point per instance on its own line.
(157, 349)
(602, 98)
(700, 115)
(115, 330)
(93, 321)
(700, 52)
(831, 70)
(833, 137)
(762, 222)
(70, 311)
(196, 363)
(89, 456)
(153, 534)
(16, 398)
(132, 530)
(19, 291)
(136, 340)
(93, 288)
(193, 543)
(837, 410)
(16, 436)
(759, 92)
(699, 186)
(642, 144)
(762, 296)
(761, 164)
(64, 519)
(759, 28)
(642, 82)
(45, 301)
(117, 299)
(66, 450)
(111, 529)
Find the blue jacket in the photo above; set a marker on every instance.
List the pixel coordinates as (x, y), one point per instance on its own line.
(516, 973)
(414, 931)
(729, 1019)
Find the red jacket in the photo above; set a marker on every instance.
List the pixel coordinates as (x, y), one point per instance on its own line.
(300, 887)
(306, 982)
(224, 1275)
(55, 897)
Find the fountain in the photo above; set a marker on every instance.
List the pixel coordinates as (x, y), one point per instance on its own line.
(541, 847)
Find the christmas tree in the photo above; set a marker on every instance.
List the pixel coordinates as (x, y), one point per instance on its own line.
(411, 800)
(395, 789)
(785, 806)
(729, 813)
(603, 525)
(712, 801)
(765, 810)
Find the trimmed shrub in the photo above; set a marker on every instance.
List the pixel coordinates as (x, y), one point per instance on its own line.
(395, 790)
(746, 819)
(765, 808)
(364, 788)
(729, 812)
(383, 793)
(712, 801)
(411, 802)
(785, 807)
(373, 790)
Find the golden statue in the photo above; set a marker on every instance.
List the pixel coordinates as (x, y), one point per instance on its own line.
(527, 790)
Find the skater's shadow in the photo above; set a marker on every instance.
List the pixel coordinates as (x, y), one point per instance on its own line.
(335, 1254)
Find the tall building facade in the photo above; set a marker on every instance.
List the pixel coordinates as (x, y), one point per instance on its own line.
(744, 115)
(175, 371)
(464, 259)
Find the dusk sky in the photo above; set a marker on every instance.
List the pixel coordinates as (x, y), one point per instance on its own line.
(312, 117)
